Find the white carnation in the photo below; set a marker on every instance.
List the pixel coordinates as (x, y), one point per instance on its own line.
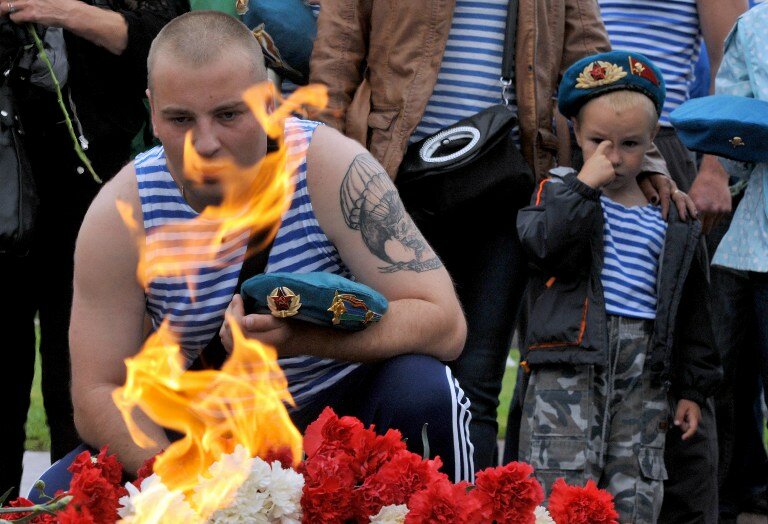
(285, 489)
(542, 516)
(269, 494)
(393, 514)
(155, 503)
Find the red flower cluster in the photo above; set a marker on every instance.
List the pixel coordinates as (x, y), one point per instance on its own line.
(508, 493)
(581, 505)
(95, 489)
(351, 473)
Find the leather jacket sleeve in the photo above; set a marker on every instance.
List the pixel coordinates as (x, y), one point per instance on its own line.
(555, 230)
(343, 29)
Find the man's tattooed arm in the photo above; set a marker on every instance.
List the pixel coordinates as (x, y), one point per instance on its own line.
(370, 203)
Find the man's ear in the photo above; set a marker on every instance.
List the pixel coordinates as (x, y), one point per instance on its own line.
(152, 112)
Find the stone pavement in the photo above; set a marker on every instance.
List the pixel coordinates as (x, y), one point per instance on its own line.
(35, 462)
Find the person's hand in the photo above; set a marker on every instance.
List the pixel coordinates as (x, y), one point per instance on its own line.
(710, 192)
(687, 417)
(598, 170)
(660, 190)
(266, 329)
(46, 12)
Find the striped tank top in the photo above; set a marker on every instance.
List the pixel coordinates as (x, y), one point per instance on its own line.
(468, 80)
(194, 302)
(633, 238)
(666, 31)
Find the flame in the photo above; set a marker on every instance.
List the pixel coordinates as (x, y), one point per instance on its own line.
(243, 404)
(254, 199)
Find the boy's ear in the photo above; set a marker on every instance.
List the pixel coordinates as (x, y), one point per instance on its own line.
(576, 130)
(655, 131)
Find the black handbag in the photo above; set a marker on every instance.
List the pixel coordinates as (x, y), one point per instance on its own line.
(18, 197)
(472, 162)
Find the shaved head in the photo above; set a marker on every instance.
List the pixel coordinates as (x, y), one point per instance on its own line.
(199, 38)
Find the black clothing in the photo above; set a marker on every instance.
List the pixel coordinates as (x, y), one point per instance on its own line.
(562, 235)
(108, 92)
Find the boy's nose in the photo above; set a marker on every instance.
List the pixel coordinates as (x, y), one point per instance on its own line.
(614, 157)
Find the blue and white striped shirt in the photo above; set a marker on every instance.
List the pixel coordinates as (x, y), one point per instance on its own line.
(468, 80)
(194, 301)
(666, 31)
(633, 238)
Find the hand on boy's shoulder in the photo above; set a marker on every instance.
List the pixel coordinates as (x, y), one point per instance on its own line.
(598, 169)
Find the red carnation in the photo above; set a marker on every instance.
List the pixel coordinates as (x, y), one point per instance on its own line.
(443, 502)
(577, 505)
(71, 515)
(330, 434)
(93, 492)
(508, 493)
(328, 485)
(283, 455)
(376, 451)
(145, 471)
(107, 465)
(395, 482)
(20, 502)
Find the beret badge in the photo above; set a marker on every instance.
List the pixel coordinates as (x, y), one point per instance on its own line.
(599, 73)
(283, 302)
(321, 298)
(348, 307)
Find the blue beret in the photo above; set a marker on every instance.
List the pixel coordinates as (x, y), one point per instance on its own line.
(596, 75)
(321, 298)
(286, 30)
(734, 127)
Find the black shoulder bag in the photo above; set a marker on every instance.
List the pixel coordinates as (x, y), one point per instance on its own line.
(18, 198)
(471, 163)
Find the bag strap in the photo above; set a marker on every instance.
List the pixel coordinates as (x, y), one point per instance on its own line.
(213, 355)
(508, 59)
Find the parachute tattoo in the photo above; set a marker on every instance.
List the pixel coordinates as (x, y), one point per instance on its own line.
(370, 203)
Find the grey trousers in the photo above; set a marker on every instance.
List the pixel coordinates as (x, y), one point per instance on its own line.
(606, 423)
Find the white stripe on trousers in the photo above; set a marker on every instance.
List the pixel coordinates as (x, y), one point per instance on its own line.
(463, 450)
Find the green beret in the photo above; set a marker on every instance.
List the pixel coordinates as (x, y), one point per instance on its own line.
(734, 127)
(321, 298)
(596, 75)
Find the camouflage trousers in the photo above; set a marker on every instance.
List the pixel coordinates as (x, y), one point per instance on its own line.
(605, 423)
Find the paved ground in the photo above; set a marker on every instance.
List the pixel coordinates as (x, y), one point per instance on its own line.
(35, 462)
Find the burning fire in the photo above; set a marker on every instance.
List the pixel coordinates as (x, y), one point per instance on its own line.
(243, 403)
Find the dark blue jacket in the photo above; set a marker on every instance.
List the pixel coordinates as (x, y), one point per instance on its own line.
(562, 235)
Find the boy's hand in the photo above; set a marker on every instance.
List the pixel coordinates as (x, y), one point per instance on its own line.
(687, 417)
(598, 170)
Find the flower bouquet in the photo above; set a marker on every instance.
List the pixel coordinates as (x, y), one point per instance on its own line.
(349, 474)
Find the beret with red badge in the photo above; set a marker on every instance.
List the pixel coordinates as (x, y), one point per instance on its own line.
(320, 298)
(596, 75)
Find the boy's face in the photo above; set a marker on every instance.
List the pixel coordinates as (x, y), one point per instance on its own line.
(630, 132)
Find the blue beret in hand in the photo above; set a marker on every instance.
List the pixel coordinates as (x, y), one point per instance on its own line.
(734, 127)
(321, 298)
(596, 75)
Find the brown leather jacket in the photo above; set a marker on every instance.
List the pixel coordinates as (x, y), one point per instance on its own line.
(380, 61)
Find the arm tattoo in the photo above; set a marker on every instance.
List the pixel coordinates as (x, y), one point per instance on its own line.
(370, 203)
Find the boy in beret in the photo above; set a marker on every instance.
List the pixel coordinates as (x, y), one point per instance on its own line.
(617, 312)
